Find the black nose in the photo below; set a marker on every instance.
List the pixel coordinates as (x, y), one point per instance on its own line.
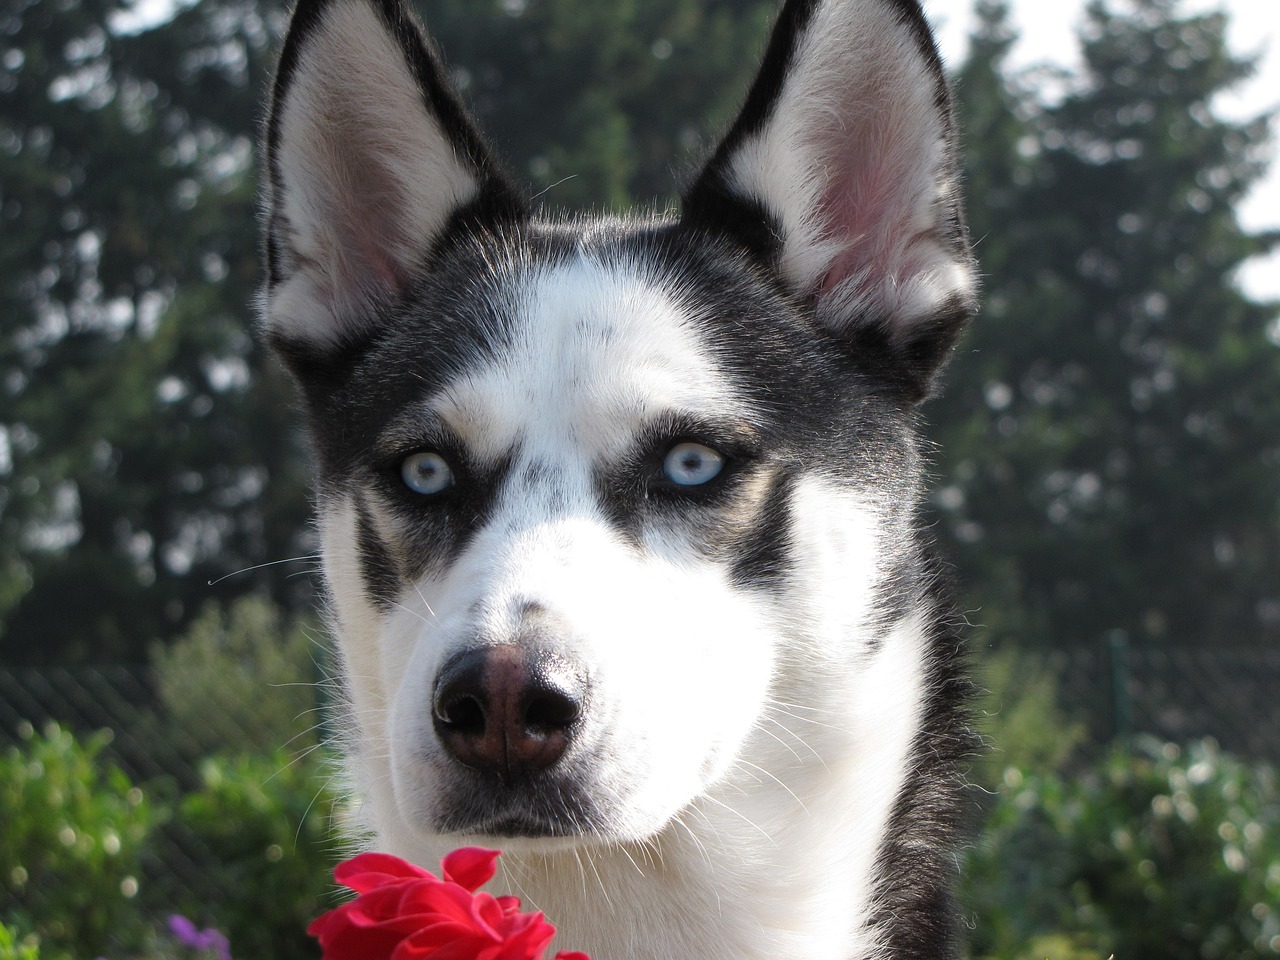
(506, 710)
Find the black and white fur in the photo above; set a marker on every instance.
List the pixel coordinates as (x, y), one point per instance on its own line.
(620, 518)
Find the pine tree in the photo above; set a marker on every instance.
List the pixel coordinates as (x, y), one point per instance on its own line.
(601, 105)
(140, 441)
(1115, 464)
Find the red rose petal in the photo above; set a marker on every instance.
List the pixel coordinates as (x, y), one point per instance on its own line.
(470, 867)
(367, 871)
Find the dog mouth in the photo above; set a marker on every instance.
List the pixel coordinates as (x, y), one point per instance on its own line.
(517, 825)
(538, 807)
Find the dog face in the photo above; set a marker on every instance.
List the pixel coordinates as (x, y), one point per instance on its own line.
(600, 502)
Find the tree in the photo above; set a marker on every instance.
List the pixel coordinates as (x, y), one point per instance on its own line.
(598, 105)
(1113, 427)
(141, 444)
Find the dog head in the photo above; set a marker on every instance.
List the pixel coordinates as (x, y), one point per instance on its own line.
(589, 491)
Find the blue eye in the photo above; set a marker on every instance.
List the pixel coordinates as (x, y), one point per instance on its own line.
(692, 464)
(426, 473)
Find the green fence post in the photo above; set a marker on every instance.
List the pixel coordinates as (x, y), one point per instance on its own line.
(1121, 704)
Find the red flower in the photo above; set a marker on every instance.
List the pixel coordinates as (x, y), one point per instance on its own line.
(402, 912)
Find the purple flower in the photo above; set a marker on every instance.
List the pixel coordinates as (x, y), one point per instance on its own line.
(185, 931)
(209, 939)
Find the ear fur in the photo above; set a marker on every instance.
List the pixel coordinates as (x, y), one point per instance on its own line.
(369, 156)
(840, 172)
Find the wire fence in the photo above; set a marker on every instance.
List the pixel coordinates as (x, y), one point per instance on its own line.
(1176, 693)
(1117, 689)
(233, 814)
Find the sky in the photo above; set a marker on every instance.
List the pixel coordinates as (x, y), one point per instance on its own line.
(1047, 29)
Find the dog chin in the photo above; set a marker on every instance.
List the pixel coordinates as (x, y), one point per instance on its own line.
(526, 844)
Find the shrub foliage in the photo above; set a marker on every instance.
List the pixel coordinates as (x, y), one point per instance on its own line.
(1156, 851)
(85, 853)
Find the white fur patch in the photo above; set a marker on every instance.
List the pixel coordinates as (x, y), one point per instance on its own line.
(601, 350)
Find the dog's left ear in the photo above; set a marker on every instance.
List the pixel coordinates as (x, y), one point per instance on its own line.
(840, 172)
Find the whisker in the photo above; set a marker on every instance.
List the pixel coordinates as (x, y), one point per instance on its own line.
(741, 816)
(754, 766)
(418, 589)
(600, 882)
(262, 566)
(623, 850)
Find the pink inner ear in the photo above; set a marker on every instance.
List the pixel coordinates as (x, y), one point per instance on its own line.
(369, 252)
(368, 218)
(878, 206)
(867, 212)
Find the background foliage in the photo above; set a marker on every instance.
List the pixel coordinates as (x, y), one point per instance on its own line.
(73, 831)
(240, 680)
(1111, 432)
(89, 854)
(1154, 851)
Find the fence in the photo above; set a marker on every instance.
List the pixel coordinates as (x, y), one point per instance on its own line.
(260, 821)
(1116, 689)
(1176, 693)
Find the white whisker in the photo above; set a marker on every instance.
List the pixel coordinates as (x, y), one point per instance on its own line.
(262, 566)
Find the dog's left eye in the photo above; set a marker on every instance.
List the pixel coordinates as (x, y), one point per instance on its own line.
(692, 464)
(426, 473)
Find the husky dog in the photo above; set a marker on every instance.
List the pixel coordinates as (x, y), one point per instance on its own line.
(621, 518)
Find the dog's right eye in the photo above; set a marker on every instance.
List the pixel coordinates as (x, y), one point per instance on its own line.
(426, 473)
(692, 464)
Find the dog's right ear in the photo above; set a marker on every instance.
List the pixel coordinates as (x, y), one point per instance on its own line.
(370, 155)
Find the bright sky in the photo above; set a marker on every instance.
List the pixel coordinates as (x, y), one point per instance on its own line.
(1048, 30)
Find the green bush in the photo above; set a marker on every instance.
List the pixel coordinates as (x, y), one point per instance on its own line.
(1155, 853)
(72, 832)
(262, 824)
(239, 681)
(1020, 717)
(87, 859)
(12, 947)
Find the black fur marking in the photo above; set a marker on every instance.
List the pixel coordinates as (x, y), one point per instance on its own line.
(926, 352)
(378, 568)
(434, 530)
(915, 912)
(763, 553)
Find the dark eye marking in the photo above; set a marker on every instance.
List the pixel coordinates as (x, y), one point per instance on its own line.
(686, 458)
